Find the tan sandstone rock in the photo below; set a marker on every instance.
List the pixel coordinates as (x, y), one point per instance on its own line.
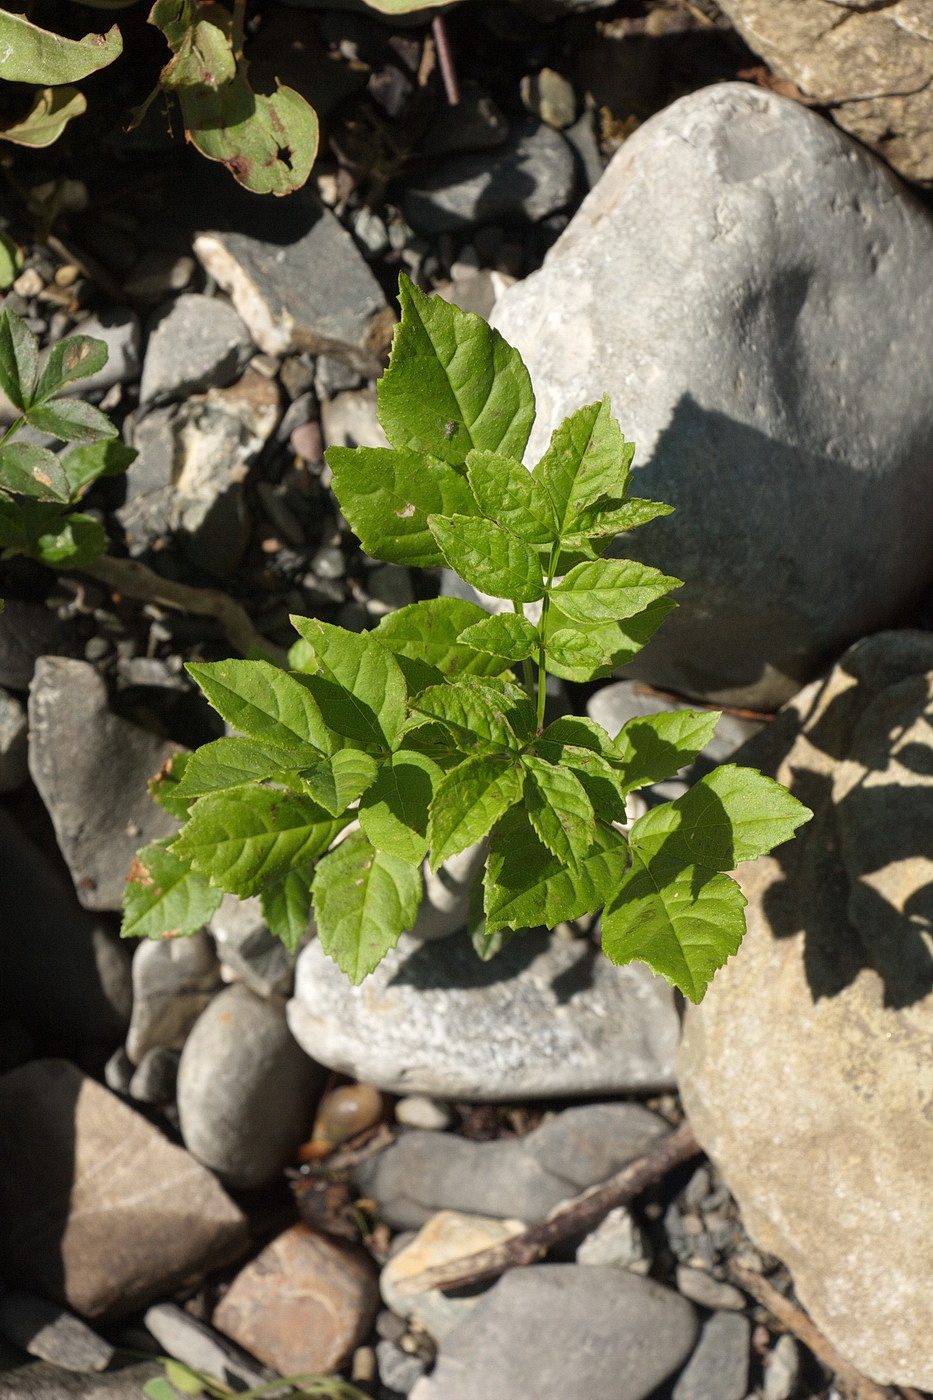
(807, 1071)
(871, 65)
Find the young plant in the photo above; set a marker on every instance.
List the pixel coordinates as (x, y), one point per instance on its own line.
(39, 488)
(428, 733)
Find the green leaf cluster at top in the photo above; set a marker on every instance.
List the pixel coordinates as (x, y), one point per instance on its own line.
(426, 735)
(38, 487)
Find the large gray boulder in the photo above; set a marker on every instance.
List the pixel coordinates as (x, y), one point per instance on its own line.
(755, 292)
(806, 1070)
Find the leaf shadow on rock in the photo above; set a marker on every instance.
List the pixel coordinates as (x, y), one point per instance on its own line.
(782, 550)
(444, 964)
(858, 881)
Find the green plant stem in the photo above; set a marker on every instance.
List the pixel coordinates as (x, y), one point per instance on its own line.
(542, 654)
(13, 428)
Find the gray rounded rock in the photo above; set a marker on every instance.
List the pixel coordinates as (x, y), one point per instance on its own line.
(559, 1330)
(545, 1018)
(246, 1090)
(753, 291)
(173, 981)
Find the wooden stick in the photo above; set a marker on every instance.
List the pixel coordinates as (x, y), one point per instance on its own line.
(134, 580)
(575, 1217)
(446, 60)
(796, 1321)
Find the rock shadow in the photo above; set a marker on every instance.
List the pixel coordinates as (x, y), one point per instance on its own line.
(858, 880)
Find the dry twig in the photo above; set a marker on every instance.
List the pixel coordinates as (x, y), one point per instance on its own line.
(575, 1217)
(134, 580)
(796, 1321)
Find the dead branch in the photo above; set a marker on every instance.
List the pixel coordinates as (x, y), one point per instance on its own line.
(796, 1321)
(132, 579)
(575, 1217)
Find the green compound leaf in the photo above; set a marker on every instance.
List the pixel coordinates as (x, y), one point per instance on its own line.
(84, 465)
(653, 747)
(164, 896)
(356, 682)
(364, 900)
(71, 420)
(489, 557)
(612, 518)
(527, 886)
(71, 542)
(227, 763)
(683, 921)
(452, 383)
(430, 633)
(263, 702)
(508, 493)
(387, 496)
(559, 810)
(45, 121)
(11, 259)
(606, 590)
(242, 838)
(588, 458)
(200, 37)
(159, 1389)
(469, 800)
(286, 905)
(163, 788)
(267, 141)
(394, 811)
(33, 471)
(19, 351)
(337, 781)
(75, 358)
(183, 1377)
(34, 55)
(730, 815)
(585, 748)
(509, 636)
(475, 715)
(571, 649)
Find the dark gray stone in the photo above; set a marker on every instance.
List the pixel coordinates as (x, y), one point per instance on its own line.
(155, 1076)
(246, 1090)
(28, 631)
(204, 1348)
(312, 293)
(42, 1381)
(51, 1333)
(246, 946)
(195, 343)
(559, 1330)
(524, 1178)
(701, 1288)
(398, 1369)
(547, 1017)
(91, 768)
(530, 176)
(64, 977)
(173, 981)
(718, 1368)
(795, 445)
(14, 761)
(474, 124)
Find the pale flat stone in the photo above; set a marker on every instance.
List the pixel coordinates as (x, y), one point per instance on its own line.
(806, 1070)
(545, 1018)
(778, 398)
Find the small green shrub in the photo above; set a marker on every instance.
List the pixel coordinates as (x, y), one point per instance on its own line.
(39, 489)
(267, 140)
(419, 738)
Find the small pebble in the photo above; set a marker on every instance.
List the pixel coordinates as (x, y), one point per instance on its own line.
(52, 1333)
(28, 283)
(155, 1076)
(329, 563)
(551, 97)
(346, 1111)
(390, 1326)
(418, 1111)
(398, 1369)
(702, 1288)
(782, 1369)
(118, 1071)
